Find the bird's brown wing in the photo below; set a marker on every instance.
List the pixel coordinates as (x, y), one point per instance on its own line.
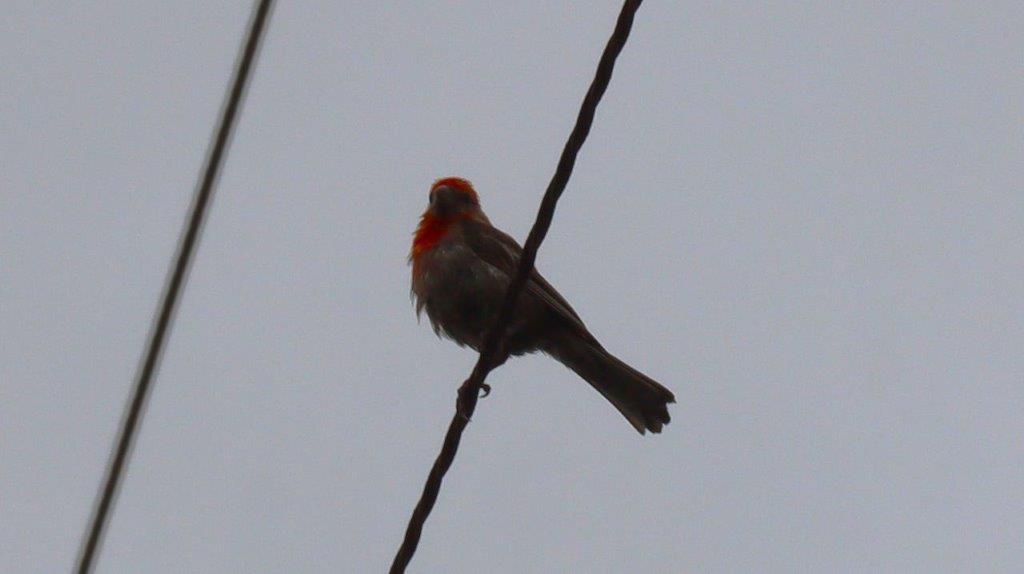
(502, 252)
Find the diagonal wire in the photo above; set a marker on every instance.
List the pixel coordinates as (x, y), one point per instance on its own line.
(122, 446)
(491, 355)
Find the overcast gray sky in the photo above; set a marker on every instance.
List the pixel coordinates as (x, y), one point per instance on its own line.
(806, 219)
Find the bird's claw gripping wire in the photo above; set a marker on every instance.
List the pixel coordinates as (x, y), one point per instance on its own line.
(460, 404)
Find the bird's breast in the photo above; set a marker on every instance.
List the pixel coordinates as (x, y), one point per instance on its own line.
(460, 292)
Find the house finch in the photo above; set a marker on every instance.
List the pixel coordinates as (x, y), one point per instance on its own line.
(461, 268)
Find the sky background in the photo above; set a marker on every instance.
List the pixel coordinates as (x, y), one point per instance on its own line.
(806, 219)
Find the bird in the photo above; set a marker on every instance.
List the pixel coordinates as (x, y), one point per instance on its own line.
(461, 268)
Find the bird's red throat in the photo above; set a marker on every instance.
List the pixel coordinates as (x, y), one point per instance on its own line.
(429, 233)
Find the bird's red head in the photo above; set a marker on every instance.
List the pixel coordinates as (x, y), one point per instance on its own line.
(461, 187)
(451, 200)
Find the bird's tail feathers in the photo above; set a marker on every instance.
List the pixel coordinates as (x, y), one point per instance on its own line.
(642, 400)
